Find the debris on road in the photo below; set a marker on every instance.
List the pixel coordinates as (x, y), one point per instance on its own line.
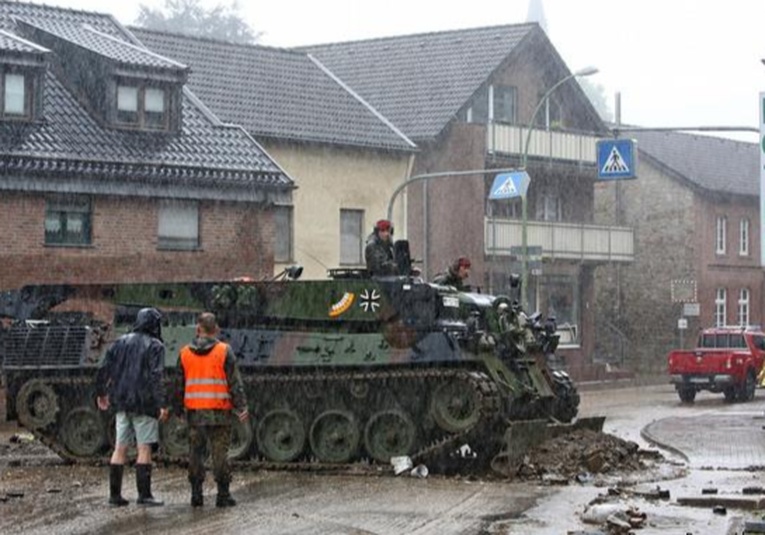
(420, 471)
(736, 502)
(401, 464)
(578, 455)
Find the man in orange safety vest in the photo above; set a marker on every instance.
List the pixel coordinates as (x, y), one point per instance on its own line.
(212, 390)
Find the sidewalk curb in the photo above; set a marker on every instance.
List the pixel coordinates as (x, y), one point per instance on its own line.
(647, 436)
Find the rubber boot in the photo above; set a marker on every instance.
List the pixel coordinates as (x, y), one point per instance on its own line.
(143, 482)
(115, 485)
(197, 497)
(224, 498)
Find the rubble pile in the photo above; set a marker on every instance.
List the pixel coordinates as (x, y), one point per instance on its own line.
(578, 454)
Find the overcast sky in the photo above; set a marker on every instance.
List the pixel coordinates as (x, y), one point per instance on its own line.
(675, 62)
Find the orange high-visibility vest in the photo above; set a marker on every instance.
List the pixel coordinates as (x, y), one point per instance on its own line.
(206, 384)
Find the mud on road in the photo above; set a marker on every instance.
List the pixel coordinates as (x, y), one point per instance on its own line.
(40, 494)
(553, 487)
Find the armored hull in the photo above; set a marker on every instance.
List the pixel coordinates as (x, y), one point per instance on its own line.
(350, 371)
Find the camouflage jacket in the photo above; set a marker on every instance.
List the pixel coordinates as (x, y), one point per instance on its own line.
(450, 278)
(379, 257)
(202, 346)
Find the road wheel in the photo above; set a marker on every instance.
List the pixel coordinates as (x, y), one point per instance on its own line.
(83, 432)
(241, 439)
(730, 394)
(175, 436)
(455, 406)
(334, 436)
(281, 435)
(687, 394)
(389, 434)
(37, 404)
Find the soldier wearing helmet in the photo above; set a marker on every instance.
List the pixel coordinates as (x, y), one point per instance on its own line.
(456, 274)
(379, 250)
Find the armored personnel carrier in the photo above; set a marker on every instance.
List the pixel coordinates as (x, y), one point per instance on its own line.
(347, 371)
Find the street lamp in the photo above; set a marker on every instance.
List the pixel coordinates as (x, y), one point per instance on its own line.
(587, 71)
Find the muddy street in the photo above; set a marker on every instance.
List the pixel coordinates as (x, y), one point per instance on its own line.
(40, 494)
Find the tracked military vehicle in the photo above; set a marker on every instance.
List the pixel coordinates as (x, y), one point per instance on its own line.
(346, 371)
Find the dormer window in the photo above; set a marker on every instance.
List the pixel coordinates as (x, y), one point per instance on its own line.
(16, 91)
(142, 106)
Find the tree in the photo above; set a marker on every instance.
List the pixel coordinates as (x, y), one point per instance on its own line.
(189, 17)
(596, 94)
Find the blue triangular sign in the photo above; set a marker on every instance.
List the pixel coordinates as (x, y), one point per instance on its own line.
(509, 185)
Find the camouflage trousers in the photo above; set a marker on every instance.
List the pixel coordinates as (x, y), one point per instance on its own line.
(219, 439)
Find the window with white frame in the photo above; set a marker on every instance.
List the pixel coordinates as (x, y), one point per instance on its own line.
(743, 248)
(351, 236)
(720, 310)
(720, 234)
(16, 94)
(743, 307)
(142, 106)
(493, 103)
(283, 233)
(68, 220)
(178, 225)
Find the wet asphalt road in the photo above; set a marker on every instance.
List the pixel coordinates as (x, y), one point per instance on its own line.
(65, 499)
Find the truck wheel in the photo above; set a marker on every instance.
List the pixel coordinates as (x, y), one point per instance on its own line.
(687, 395)
(730, 393)
(746, 392)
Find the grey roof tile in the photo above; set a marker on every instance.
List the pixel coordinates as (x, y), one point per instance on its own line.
(275, 93)
(421, 81)
(712, 163)
(71, 143)
(10, 42)
(110, 46)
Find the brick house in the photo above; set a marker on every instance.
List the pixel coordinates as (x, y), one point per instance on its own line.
(465, 98)
(695, 212)
(112, 170)
(345, 157)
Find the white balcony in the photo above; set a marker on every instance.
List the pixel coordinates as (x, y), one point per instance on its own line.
(561, 241)
(552, 144)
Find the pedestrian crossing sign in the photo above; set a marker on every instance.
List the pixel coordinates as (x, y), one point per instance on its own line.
(617, 159)
(509, 185)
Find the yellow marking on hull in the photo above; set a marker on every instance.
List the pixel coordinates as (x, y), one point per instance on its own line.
(341, 306)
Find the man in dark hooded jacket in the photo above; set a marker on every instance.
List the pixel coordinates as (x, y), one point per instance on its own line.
(130, 380)
(212, 389)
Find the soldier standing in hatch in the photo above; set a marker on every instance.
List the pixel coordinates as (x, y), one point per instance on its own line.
(379, 250)
(456, 274)
(212, 388)
(130, 380)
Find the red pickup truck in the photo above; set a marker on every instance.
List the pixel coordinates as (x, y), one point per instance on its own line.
(726, 359)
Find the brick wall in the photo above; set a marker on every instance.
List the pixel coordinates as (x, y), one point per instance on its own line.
(236, 239)
(455, 204)
(674, 240)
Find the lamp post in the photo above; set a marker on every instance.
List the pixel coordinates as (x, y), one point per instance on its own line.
(587, 71)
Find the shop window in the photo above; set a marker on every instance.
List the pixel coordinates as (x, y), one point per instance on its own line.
(558, 297)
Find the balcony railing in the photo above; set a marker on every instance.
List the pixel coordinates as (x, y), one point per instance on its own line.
(569, 241)
(553, 144)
